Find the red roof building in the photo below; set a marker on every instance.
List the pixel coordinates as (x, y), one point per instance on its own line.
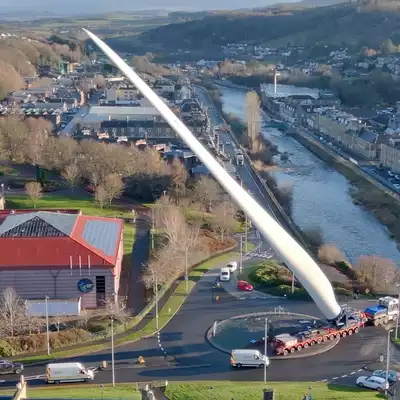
(61, 254)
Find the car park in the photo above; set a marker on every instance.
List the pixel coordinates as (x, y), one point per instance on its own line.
(372, 382)
(245, 286)
(10, 367)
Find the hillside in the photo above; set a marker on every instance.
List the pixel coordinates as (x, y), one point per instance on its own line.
(366, 24)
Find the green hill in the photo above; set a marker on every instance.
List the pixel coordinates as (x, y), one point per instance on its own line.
(367, 22)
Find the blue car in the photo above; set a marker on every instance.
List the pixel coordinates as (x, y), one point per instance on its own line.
(392, 376)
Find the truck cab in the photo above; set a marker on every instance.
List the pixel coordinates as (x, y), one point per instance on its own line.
(386, 310)
(239, 158)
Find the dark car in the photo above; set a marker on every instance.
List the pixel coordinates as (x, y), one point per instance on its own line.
(9, 367)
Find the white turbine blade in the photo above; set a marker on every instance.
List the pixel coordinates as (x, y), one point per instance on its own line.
(296, 258)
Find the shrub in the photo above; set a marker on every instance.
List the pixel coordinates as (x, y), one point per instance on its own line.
(341, 291)
(6, 349)
(346, 268)
(329, 254)
(270, 273)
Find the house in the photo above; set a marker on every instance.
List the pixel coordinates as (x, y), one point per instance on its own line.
(61, 254)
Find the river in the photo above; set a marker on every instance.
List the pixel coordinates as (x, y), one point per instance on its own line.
(321, 196)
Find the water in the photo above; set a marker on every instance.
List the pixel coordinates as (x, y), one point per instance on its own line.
(321, 196)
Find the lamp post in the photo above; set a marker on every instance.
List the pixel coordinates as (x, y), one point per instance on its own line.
(241, 253)
(47, 324)
(156, 305)
(397, 317)
(265, 349)
(387, 360)
(112, 352)
(186, 270)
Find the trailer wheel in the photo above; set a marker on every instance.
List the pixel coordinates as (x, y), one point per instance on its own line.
(285, 352)
(305, 345)
(356, 330)
(344, 334)
(350, 332)
(299, 348)
(332, 337)
(377, 322)
(293, 349)
(312, 343)
(319, 341)
(337, 336)
(325, 339)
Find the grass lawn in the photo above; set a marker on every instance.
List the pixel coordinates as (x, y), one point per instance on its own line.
(87, 205)
(254, 391)
(124, 391)
(129, 238)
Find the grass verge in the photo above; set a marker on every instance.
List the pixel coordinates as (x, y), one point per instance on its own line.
(87, 205)
(171, 307)
(254, 391)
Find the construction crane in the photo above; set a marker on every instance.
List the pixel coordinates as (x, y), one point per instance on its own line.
(296, 258)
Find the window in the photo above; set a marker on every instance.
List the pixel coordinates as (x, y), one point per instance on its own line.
(159, 130)
(132, 130)
(122, 130)
(168, 130)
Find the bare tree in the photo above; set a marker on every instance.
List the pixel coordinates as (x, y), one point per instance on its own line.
(179, 178)
(72, 175)
(34, 191)
(99, 81)
(207, 192)
(100, 195)
(253, 118)
(381, 273)
(114, 186)
(12, 312)
(330, 254)
(116, 308)
(170, 219)
(95, 179)
(224, 218)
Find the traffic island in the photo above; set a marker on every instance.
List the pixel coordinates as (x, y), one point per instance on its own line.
(247, 332)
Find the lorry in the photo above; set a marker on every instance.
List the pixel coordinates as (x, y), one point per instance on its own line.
(286, 343)
(385, 311)
(248, 358)
(239, 158)
(225, 274)
(68, 372)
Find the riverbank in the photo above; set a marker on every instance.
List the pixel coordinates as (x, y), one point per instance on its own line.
(365, 191)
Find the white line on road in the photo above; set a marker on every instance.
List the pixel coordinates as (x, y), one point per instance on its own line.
(252, 178)
(352, 373)
(336, 377)
(344, 376)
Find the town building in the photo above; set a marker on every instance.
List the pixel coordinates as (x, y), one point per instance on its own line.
(61, 254)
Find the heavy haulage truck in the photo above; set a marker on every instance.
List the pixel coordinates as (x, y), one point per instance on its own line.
(385, 311)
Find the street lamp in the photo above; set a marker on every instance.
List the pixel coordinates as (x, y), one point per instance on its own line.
(112, 351)
(47, 324)
(265, 349)
(186, 270)
(387, 360)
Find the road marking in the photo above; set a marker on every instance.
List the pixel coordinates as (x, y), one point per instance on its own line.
(251, 176)
(336, 377)
(2, 381)
(343, 376)
(352, 373)
(360, 370)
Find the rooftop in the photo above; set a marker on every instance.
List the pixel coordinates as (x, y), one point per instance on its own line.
(33, 238)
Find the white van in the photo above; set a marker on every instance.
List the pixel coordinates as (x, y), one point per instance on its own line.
(232, 266)
(248, 358)
(225, 274)
(68, 372)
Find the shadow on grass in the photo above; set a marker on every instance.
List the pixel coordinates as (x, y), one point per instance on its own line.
(354, 389)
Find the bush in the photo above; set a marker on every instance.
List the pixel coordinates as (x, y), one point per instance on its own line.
(341, 291)
(270, 273)
(346, 268)
(6, 349)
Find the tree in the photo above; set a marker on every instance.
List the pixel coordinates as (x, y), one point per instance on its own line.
(207, 192)
(170, 219)
(224, 218)
(72, 175)
(37, 135)
(34, 191)
(330, 254)
(100, 195)
(99, 81)
(179, 177)
(381, 273)
(12, 312)
(113, 186)
(116, 309)
(253, 118)
(10, 79)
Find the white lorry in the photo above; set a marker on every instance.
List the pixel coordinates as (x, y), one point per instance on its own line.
(68, 372)
(248, 358)
(225, 274)
(239, 158)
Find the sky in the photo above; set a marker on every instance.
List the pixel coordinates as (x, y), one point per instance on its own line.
(98, 6)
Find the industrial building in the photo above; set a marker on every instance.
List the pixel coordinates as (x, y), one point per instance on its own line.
(61, 254)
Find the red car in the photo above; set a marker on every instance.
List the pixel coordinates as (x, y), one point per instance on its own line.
(246, 286)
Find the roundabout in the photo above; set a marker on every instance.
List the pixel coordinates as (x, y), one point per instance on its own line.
(247, 332)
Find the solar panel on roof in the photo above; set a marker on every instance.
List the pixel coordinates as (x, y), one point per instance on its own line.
(102, 235)
(34, 227)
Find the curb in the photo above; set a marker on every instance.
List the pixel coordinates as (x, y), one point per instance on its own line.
(291, 357)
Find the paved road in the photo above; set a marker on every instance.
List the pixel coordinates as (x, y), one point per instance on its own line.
(77, 119)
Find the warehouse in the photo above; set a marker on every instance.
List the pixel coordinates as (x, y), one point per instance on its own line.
(61, 254)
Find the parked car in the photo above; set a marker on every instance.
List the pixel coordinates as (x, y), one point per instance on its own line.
(392, 376)
(245, 286)
(372, 382)
(10, 367)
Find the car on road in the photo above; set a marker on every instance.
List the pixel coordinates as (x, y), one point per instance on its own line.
(245, 286)
(372, 382)
(393, 376)
(227, 143)
(10, 367)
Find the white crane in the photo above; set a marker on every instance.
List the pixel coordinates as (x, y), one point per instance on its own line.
(296, 258)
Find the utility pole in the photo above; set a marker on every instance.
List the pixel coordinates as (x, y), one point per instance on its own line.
(112, 352)
(152, 229)
(186, 270)
(47, 324)
(241, 253)
(397, 320)
(245, 224)
(387, 360)
(156, 289)
(292, 283)
(265, 349)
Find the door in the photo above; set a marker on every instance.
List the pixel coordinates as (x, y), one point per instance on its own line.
(101, 291)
